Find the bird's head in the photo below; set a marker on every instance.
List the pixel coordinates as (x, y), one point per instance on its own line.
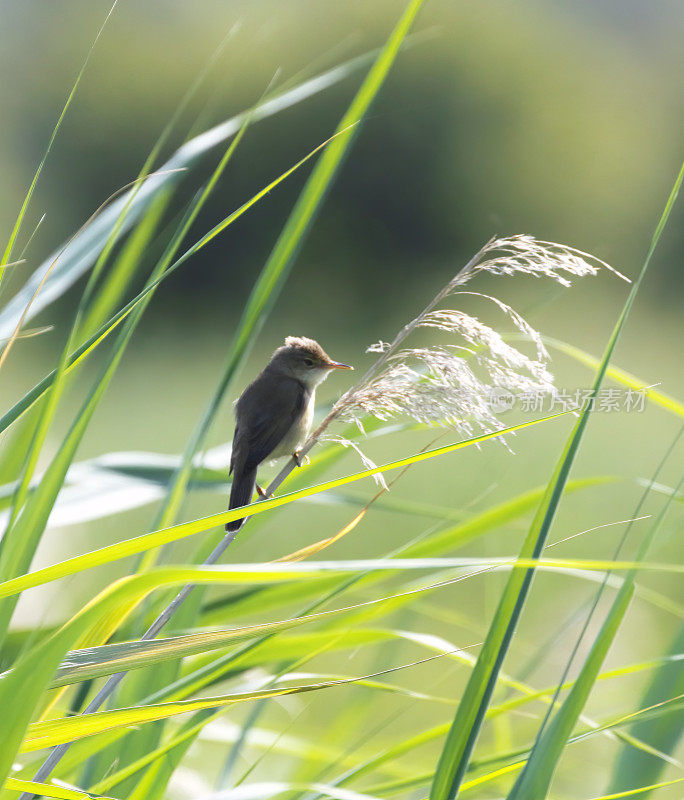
(305, 360)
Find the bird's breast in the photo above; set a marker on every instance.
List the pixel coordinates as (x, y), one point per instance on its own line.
(298, 432)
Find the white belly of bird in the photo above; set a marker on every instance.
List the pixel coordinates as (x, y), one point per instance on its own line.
(298, 433)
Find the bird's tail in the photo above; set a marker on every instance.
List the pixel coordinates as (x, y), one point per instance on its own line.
(241, 493)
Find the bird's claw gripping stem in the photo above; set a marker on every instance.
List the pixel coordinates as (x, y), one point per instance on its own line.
(299, 459)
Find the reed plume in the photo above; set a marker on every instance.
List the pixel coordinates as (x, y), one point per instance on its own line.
(451, 384)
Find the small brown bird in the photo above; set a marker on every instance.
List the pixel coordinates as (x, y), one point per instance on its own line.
(273, 415)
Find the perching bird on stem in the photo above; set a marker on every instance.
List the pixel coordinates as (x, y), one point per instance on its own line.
(273, 415)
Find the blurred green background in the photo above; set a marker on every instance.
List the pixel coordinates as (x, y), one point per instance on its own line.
(558, 119)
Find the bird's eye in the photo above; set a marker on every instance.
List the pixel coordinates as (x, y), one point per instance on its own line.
(309, 362)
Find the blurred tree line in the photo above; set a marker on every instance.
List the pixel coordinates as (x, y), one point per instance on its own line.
(560, 119)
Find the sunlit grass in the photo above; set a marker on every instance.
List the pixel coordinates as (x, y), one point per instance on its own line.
(243, 687)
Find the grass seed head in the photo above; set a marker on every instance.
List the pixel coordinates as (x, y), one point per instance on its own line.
(452, 384)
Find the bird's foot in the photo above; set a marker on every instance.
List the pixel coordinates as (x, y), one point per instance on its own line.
(260, 491)
(299, 459)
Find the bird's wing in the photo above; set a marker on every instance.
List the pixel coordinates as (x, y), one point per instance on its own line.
(264, 415)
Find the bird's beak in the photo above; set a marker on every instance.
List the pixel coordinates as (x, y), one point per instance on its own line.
(338, 365)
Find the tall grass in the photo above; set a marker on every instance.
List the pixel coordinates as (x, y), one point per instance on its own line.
(423, 712)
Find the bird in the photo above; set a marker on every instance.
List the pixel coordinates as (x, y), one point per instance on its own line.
(273, 415)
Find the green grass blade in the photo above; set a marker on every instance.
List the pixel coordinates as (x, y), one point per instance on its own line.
(7, 254)
(533, 782)
(21, 538)
(23, 686)
(111, 658)
(619, 375)
(176, 744)
(631, 768)
(96, 662)
(82, 352)
(140, 544)
(448, 539)
(47, 790)
(641, 790)
(52, 732)
(468, 720)
(84, 249)
(105, 301)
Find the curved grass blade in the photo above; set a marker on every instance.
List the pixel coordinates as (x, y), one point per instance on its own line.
(30, 398)
(108, 659)
(48, 790)
(86, 247)
(449, 538)
(630, 768)
(139, 544)
(51, 732)
(665, 401)
(470, 714)
(7, 254)
(101, 660)
(176, 745)
(22, 687)
(21, 539)
(533, 782)
(30, 510)
(641, 790)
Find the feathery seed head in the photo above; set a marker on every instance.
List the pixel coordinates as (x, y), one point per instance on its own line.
(452, 384)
